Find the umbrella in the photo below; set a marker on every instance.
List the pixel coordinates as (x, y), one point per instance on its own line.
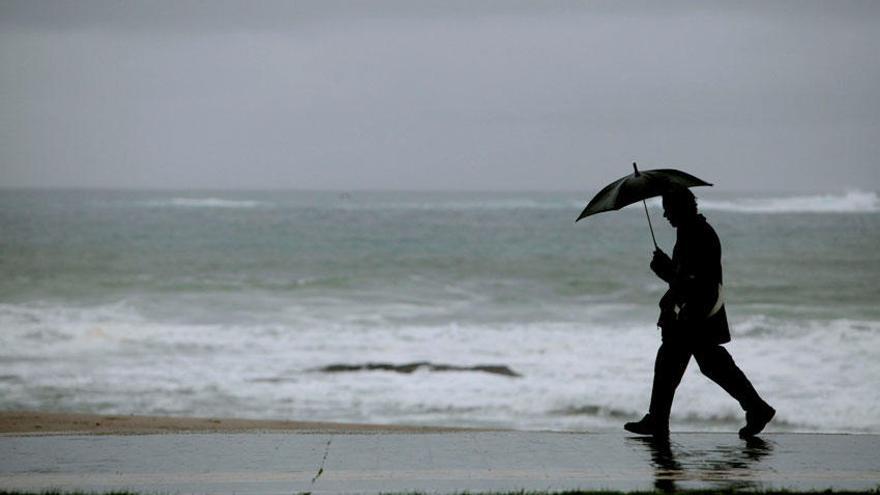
(639, 186)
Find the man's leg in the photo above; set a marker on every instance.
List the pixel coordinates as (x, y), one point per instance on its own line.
(717, 364)
(672, 360)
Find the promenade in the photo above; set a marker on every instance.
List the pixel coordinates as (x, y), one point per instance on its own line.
(436, 462)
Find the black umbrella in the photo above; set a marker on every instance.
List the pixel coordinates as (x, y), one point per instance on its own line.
(638, 187)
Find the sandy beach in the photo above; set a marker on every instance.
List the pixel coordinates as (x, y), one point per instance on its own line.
(38, 422)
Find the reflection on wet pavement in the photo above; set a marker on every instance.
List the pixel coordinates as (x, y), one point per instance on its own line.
(726, 466)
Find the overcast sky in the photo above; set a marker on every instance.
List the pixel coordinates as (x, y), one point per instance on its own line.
(438, 95)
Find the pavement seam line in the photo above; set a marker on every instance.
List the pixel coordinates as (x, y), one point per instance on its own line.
(323, 460)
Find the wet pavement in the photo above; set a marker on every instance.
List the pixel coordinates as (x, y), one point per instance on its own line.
(435, 462)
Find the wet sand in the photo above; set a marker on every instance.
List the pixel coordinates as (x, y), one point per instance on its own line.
(35, 422)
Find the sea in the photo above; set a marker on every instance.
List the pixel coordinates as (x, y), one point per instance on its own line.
(425, 308)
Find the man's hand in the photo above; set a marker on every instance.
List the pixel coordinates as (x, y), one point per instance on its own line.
(661, 264)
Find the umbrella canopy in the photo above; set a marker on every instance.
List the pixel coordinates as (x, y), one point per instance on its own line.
(639, 186)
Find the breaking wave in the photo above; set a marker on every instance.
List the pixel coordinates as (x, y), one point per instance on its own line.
(850, 202)
(204, 203)
(572, 376)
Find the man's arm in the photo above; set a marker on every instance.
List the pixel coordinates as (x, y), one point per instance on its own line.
(663, 266)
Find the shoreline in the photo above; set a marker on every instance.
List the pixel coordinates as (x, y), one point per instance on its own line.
(49, 423)
(28, 422)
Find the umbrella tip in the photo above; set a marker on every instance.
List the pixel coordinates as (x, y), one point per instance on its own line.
(636, 169)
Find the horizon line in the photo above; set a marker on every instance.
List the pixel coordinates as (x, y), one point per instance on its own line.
(586, 189)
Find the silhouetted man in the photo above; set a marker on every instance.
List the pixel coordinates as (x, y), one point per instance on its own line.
(693, 321)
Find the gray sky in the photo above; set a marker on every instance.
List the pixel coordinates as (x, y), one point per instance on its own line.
(438, 95)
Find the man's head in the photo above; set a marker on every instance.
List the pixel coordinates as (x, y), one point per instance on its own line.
(679, 205)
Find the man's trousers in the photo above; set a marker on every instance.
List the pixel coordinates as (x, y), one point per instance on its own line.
(714, 361)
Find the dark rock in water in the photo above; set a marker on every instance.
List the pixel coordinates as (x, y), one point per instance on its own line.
(410, 367)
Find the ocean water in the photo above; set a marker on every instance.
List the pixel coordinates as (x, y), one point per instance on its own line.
(231, 303)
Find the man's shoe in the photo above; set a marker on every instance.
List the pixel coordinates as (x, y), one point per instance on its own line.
(756, 421)
(648, 426)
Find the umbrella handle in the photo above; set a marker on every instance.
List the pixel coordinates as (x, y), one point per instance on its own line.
(649, 224)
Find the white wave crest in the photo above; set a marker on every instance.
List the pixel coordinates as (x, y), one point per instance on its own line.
(204, 203)
(850, 202)
(463, 205)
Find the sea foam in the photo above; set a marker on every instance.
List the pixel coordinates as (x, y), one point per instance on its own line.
(820, 375)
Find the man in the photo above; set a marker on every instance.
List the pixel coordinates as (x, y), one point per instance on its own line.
(693, 321)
